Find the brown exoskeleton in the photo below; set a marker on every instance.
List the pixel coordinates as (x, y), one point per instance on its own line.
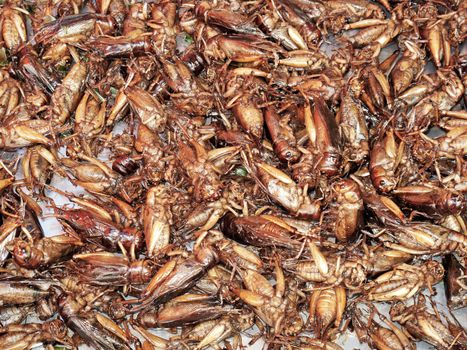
(423, 238)
(44, 252)
(37, 164)
(432, 200)
(404, 281)
(435, 32)
(202, 173)
(352, 125)
(446, 97)
(323, 136)
(206, 215)
(191, 94)
(224, 17)
(74, 28)
(104, 268)
(282, 189)
(176, 277)
(211, 333)
(89, 116)
(241, 48)
(23, 292)
(433, 326)
(269, 303)
(148, 109)
(259, 231)
(372, 332)
(157, 219)
(346, 210)
(10, 95)
(184, 310)
(67, 95)
(327, 308)
(96, 229)
(455, 285)
(282, 136)
(96, 330)
(13, 26)
(328, 269)
(232, 253)
(27, 335)
(408, 67)
(385, 157)
(23, 134)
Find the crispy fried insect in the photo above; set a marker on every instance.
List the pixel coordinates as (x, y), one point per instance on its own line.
(431, 326)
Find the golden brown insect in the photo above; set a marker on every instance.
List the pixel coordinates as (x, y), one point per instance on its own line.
(372, 332)
(241, 48)
(385, 156)
(10, 96)
(211, 333)
(98, 230)
(176, 277)
(456, 288)
(438, 43)
(346, 209)
(96, 330)
(249, 116)
(232, 253)
(324, 137)
(432, 200)
(24, 291)
(89, 115)
(13, 26)
(444, 98)
(380, 259)
(404, 281)
(24, 134)
(202, 174)
(327, 308)
(282, 189)
(66, 96)
(44, 252)
(352, 125)
(284, 26)
(30, 68)
(26, 335)
(282, 136)
(453, 143)
(185, 310)
(329, 269)
(190, 94)
(268, 303)
(424, 238)
(37, 164)
(226, 18)
(157, 218)
(408, 68)
(106, 268)
(431, 326)
(73, 29)
(206, 215)
(258, 231)
(149, 110)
